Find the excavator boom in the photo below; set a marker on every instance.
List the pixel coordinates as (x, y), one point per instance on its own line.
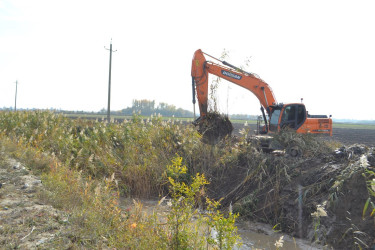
(201, 68)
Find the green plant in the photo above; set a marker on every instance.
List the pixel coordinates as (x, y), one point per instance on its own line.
(225, 236)
(182, 205)
(370, 181)
(184, 200)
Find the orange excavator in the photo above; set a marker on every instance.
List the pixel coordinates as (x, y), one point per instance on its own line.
(280, 116)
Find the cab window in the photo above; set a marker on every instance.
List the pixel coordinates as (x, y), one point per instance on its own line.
(289, 113)
(293, 116)
(301, 115)
(274, 120)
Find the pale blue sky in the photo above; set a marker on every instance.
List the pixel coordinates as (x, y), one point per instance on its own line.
(322, 51)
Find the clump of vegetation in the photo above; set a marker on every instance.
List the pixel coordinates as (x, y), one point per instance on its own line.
(219, 231)
(214, 127)
(307, 145)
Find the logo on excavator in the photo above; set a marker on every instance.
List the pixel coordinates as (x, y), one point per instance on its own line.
(231, 75)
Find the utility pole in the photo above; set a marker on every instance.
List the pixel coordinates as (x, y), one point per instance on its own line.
(109, 82)
(15, 99)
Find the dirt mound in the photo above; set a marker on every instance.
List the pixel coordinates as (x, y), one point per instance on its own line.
(320, 197)
(214, 126)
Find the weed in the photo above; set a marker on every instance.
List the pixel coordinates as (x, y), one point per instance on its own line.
(225, 236)
(370, 181)
(320, 212)
(182, 227)
(279, 243)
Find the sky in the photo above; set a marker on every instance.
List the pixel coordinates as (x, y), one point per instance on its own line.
(321, 51)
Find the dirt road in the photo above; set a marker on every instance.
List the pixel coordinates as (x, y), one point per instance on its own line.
(25, 221)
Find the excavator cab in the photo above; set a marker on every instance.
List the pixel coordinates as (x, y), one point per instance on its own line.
(287, 116)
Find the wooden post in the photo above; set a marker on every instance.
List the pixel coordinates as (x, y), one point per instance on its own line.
(109, 83)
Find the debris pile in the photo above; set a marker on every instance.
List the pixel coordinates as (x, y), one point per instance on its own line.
(214, 127)
(323, 197)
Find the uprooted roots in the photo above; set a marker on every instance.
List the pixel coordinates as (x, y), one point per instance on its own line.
(214, 127)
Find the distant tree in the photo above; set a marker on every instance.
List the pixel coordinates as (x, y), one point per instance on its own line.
(147, 107)
(243, 117)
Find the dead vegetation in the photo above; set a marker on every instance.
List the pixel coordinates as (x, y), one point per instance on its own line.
(288, 191)
(214, 127)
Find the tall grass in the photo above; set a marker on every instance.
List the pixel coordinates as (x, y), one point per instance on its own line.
(137, 150)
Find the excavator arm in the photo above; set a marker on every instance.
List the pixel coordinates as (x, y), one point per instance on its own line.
(201, 68)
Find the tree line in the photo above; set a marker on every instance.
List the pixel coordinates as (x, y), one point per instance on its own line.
(146, 108)
(149, 107)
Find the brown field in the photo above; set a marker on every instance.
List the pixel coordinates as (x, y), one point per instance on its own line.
(347, 136)
(351, 136)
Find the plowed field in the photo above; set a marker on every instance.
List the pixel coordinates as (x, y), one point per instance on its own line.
(347, 136)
